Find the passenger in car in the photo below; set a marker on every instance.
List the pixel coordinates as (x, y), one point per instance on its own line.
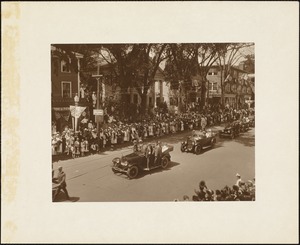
(149, 155)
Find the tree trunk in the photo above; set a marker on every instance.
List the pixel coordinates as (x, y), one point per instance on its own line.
(203, 92)
(143, 103)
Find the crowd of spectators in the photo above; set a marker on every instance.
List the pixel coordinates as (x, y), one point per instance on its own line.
(240, 191)
(113, 132)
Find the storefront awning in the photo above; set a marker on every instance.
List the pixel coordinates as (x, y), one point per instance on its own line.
(61, 108)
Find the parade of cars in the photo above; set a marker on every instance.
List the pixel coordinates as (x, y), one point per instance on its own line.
(136, 162)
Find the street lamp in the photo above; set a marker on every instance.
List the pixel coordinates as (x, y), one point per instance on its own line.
(76, 100)
(98, 77)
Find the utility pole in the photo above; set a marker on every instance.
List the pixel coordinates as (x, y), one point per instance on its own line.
(98, 105)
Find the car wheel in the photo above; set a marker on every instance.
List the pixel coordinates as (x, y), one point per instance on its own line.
(198, 149)
(164, 162)
(182, 148)
(132, 172)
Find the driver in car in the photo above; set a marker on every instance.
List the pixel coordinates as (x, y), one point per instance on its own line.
(135, 146)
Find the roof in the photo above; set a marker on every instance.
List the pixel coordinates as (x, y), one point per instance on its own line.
(232, 67)
(78, 55)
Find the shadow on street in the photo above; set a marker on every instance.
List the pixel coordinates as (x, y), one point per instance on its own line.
(62, 198)
(157, 170)
(143, 173)
(245, 138)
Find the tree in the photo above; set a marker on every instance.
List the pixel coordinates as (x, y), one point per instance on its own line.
(180, 67)
(187, 60)
(206, 58)
(136, 66)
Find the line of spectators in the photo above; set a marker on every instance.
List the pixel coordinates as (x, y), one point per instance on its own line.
(86, 141)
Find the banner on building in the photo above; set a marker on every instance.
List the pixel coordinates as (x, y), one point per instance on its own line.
(76, 110)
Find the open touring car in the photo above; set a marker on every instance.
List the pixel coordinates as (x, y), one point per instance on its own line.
(133, 163)
(198, 141)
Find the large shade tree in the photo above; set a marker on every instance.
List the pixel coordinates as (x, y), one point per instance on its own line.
(180, 67)
(188, 60)
(135, 66)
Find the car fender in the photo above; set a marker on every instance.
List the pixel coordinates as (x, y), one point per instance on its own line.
(168, 156)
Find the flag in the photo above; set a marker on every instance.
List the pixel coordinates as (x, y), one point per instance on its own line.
(228, 78)
(76, 110)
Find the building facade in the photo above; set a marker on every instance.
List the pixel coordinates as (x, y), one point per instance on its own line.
(238, 87)
(65, 84)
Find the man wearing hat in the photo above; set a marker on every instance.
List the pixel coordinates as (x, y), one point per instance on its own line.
(149, 155)
(135, 145)
(157, 153)
(238, 179)
(61, 181)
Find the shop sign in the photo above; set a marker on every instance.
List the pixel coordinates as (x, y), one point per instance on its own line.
(98, 112)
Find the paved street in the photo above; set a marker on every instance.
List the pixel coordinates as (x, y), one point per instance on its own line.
(91, 178)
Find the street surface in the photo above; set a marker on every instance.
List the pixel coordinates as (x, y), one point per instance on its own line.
(90, 178)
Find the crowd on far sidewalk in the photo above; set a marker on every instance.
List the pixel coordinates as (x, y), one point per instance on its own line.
(114, 132)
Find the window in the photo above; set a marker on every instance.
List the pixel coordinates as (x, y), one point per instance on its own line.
(150, 101)
(213, 86)
(66, 90)
(227, 88)
(135, 98)
(65, 66)
(158, 100)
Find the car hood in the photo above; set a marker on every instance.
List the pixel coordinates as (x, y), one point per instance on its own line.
(133, 156)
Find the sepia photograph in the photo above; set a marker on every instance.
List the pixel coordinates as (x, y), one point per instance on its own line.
(172, 122)
(153, 122)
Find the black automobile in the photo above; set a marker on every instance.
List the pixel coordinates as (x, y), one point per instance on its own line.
(133, 163)
(231, 130)
(198, 141)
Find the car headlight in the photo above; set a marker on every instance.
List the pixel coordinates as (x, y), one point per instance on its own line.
(124, 163)
(117, 160)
